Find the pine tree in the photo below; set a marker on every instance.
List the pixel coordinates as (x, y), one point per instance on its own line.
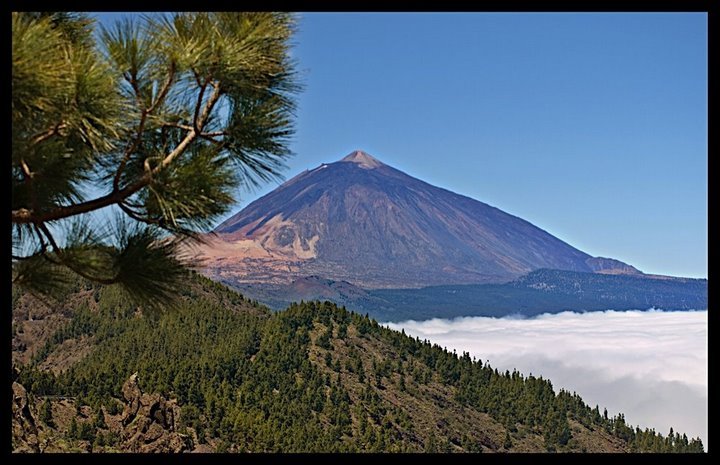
(79, 402)
(46, 414)
(507, 444)
(72, 432)
(99, 421)
(161, 118)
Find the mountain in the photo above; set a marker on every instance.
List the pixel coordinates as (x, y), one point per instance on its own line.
(367, 223)
(219, 373)
(540, 291)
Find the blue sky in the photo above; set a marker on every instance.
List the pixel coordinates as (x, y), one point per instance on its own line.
(590, 126)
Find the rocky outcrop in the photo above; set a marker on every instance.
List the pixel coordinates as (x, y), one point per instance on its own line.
(150, 422)
(131, 392)
(24, 429)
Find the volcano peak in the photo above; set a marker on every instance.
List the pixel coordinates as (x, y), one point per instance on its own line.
(363, 159)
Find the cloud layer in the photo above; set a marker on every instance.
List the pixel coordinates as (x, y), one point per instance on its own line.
(650, 365)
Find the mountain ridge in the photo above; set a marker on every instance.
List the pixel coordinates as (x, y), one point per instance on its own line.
(540, 291)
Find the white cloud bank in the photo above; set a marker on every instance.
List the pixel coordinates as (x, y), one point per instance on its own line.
(650, 365)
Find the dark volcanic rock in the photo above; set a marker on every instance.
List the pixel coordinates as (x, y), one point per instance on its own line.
(362, 221)
(24, 432)
(149, 422)
(131, 393)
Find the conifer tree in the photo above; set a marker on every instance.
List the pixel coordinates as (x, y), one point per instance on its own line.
(99, 421)
(72, 432)
(46, 414)
(158, 121)
(507, 444)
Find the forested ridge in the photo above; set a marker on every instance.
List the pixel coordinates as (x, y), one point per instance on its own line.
(311, 378)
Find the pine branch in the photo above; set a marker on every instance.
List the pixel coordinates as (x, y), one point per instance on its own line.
(166, 88)
(196, 123)
(144, 112)
(172, 162)
(116, 196)
(132, 147)
(68, 263)
(43, 136)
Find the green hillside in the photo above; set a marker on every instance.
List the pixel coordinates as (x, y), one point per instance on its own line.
(311, 378)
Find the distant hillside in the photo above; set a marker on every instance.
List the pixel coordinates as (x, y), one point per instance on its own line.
(280, 296)
(541, 291)
(221, 374)
(362, 221)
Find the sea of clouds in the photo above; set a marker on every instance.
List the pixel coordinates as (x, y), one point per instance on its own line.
(650, 365)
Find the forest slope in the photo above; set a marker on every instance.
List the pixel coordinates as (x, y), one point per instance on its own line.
(229, 375)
